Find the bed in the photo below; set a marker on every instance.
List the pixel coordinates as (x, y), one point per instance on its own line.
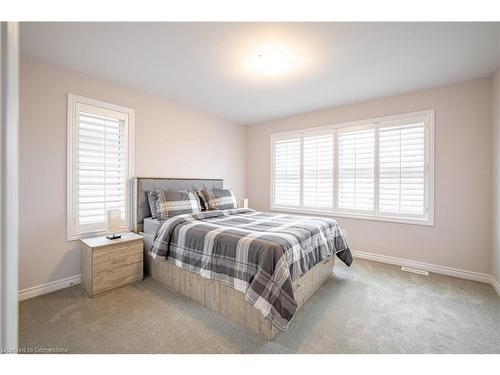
(256, 269)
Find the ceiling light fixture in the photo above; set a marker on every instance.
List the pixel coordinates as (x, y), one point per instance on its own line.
(272, 62)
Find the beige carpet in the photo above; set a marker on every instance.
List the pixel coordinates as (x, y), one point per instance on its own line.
(368, 308)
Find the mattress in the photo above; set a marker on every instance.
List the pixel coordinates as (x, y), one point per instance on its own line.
(151, 226)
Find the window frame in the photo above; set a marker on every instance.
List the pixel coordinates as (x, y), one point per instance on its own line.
(375, 215)
(73, 232)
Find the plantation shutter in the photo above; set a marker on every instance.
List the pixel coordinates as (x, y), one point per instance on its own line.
(318, 171)
(402, 169)
(101, 163)
(356, 170)
(287, 172)
(381, 168)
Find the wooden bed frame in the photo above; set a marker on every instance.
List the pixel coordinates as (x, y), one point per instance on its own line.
(229, 302)
(216, 295)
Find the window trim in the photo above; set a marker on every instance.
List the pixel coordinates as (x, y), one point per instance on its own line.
(428, 115)
(72, 232)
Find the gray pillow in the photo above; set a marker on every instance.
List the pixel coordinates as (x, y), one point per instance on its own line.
(152, 197)
(173, 203)
(219, 199)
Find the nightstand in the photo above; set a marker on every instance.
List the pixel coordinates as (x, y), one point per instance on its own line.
(108, 264)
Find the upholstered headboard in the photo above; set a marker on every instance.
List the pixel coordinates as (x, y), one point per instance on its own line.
(140, 205)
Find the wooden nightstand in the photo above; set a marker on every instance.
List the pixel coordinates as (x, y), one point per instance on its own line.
(108, 264)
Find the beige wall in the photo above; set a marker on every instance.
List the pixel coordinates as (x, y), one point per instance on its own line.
(495, 109)
(171, 140)
(461, 236)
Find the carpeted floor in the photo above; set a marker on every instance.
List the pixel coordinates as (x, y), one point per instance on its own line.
(368, 308)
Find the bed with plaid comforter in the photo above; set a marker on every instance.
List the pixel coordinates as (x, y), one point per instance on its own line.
(259, 254)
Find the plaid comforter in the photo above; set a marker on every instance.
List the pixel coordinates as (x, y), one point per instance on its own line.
(257, 253)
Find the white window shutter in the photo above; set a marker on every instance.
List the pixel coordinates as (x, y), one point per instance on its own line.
(287, 165)
(101, 164)
(402, 169)
(318, 171)
(356, 168)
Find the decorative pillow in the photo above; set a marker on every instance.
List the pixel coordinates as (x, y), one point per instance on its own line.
(152, 198)
(203, 201)
(219, 199)
(172, 203)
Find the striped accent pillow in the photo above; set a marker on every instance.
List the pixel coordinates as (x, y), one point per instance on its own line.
(173, 203)
(203, 201)
(152, 198)
(219, 199)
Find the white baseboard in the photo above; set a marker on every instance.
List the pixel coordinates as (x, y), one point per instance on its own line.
(38, 290)
(444, 270)
(495, 284)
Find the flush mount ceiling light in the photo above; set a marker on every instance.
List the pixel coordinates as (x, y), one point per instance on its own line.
(272, 63)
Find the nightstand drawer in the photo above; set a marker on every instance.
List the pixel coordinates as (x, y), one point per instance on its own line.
(108, 256)
(117, 277)
(110, 263)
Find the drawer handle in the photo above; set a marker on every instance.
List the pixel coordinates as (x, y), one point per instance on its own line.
(121, 277)
(118, 260)
(136, 244)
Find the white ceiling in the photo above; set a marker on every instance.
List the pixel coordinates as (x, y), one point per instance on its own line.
(203, 64)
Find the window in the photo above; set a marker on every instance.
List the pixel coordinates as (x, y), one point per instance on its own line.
(318, 171)
(356, 169)
(287, 172)
(402, 169)
(379, 169)
(100, 162)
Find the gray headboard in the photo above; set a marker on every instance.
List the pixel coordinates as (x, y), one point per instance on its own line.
(140, 205)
